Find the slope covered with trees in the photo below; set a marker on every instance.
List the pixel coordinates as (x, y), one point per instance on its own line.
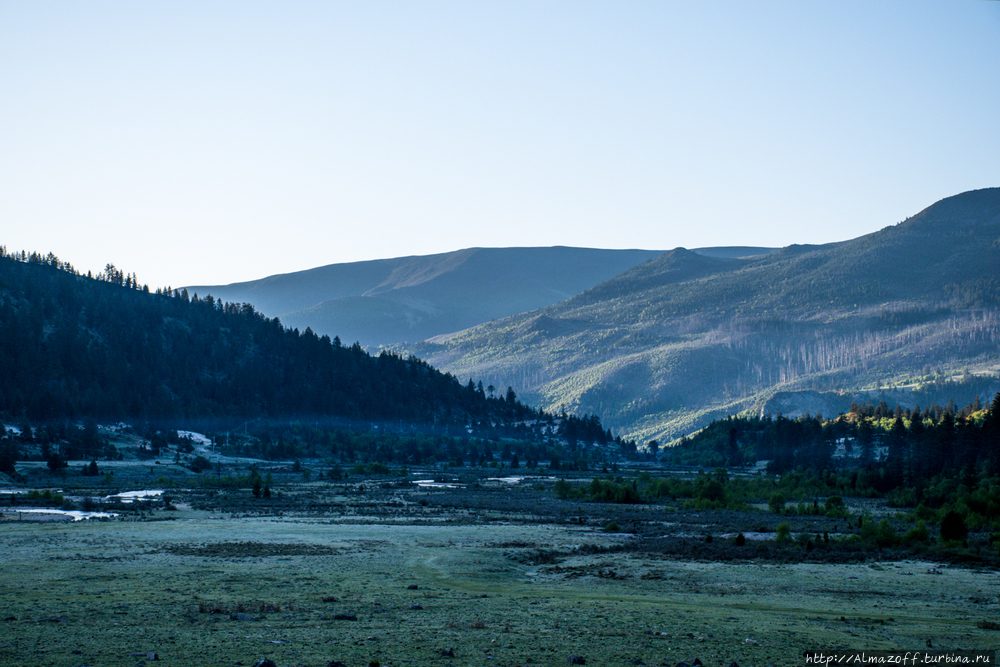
(76, 347)
(666, 347)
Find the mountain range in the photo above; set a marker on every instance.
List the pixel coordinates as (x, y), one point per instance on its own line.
(389, 301)
(660, 343)
(672, 343)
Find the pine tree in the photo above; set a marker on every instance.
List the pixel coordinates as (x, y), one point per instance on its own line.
(897, 460)
(918, 461)
(991, 435)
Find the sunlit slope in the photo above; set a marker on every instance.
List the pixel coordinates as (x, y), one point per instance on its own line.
(665, 347)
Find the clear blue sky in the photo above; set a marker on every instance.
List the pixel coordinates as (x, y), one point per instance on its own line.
(212, 142)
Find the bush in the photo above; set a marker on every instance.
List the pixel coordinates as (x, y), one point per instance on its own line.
(563, 489)
(200, 463)
(712, 490)
(882, 534)
(56, 462)
(918, 533)
(783, 532)
(953, 527)
(777, 502)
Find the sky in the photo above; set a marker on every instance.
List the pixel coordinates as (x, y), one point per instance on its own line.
(204, 143)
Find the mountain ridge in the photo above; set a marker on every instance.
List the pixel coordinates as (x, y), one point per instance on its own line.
(382, 302)
(676, 341)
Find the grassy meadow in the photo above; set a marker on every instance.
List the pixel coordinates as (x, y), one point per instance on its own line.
(410, 576)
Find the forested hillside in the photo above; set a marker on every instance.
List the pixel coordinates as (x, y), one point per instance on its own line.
(106, 348)
(666, 347)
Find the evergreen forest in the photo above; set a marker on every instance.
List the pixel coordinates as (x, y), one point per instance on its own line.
(79, 349)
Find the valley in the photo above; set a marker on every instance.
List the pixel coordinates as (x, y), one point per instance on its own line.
(740, 456)
(486, 572)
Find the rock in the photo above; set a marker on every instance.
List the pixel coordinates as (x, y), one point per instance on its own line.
(448, 653)
(413, 587)
(264, 662)
(577, 660)
(695, 662)
(415, 606)
(152, 655)
(345, 617)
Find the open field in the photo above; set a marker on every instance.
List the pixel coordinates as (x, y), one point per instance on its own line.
(405, 576)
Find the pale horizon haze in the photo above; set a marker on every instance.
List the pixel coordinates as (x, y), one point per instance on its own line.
(200, 143)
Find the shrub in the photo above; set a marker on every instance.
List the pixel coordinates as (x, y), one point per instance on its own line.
(777, 502)
(712, 491)
(884, 534)
(200, 463)
(783, 532)
(740, 540)
(918, 533)
(563, 489)
(953, 527)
